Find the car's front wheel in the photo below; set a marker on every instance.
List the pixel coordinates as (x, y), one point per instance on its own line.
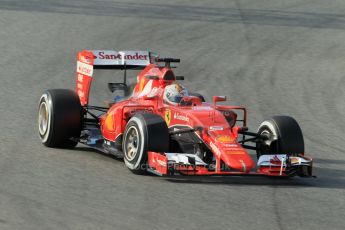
(144, 132)
(280, 135)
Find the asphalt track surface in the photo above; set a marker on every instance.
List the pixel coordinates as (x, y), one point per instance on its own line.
(273, 56)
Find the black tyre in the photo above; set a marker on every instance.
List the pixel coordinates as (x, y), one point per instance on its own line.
(59, 118)
(282, 135)
(144, 132)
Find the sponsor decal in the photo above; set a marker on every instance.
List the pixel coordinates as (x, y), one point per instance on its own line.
(275, 160)
(178, 116)
(111, 57)
(232, 149)
(235, 152)
(85, 69)
(167, 116)
(201, 108)
(216, 128)
(231, 145)
(225, 139)
(272, 160)
(103, 55)
(140, 110)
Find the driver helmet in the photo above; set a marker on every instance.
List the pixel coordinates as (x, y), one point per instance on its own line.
(174, 93)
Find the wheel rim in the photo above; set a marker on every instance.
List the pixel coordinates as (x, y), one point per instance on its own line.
(270, 136)
(268, 145)
(132, 143)
(43, 118)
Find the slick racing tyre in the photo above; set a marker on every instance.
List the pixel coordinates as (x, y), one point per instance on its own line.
(59, 118)
(281, 135)
(144, 132)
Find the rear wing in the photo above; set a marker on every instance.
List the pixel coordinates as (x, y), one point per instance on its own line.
(88, 60)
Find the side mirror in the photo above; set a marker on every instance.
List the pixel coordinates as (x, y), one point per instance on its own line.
(218, 99)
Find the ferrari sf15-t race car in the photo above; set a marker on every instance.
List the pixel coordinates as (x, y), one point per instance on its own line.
(163, 128)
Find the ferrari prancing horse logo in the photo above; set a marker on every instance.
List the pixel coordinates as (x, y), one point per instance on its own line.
(167, 116)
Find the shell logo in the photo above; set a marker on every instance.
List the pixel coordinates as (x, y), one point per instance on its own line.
(225, 139)
(109, 122)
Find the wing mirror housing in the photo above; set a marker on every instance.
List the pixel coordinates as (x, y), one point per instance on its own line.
(218, 99)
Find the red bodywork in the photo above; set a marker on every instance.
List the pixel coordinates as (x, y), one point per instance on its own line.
(216, 132)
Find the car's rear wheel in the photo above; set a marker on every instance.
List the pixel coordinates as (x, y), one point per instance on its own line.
(281, 135)
(144, 132)
(59, 118)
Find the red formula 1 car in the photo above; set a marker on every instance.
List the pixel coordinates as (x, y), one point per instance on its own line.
(165, 129)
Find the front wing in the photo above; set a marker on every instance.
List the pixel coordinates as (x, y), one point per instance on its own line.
(279, 165)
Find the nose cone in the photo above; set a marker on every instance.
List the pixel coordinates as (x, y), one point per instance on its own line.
(238, 159)
(231, 153)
